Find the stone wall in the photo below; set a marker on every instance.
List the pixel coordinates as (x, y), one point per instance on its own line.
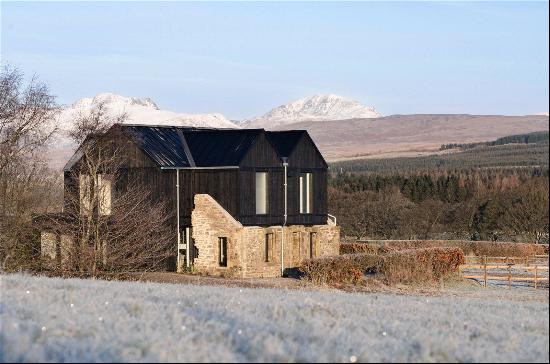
(247, 253)
(211, 221)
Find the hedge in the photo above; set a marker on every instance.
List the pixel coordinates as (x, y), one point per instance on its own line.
(406, 267)
(477, 248)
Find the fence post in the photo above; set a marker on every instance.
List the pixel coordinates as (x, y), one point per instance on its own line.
(536, 275)
(485, 270)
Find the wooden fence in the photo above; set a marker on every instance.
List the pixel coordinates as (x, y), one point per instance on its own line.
(516, 269)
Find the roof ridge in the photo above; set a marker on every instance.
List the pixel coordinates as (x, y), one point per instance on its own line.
(186, 127)
(186, 149)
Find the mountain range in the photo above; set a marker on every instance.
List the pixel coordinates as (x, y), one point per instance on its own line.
(141, 111)
(342, 128)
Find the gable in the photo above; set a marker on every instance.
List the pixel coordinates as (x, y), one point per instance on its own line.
(133, 155)
(298, 147)
(261, 154)
(285, 141)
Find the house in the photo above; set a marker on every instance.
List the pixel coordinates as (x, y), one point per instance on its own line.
(247, 202)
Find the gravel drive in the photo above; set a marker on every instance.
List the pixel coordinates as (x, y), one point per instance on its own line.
(52, 319)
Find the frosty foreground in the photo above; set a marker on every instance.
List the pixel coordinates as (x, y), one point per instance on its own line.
(46, 319)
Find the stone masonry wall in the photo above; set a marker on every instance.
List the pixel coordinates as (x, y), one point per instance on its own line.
(211, 221)
(247, 245)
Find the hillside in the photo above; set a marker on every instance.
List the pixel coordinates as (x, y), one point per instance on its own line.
(411, 135)
(501, 156)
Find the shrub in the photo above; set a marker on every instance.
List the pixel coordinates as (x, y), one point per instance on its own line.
(339, 270)
(477, 248)
(406, 266)
(419, 265)
(359, 248)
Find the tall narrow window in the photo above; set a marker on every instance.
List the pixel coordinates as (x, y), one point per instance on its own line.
(296, 251)
(104, 184)
(85, 188)
(306, 188)
(312, 247)
(268, 248)
(261, 193)
(222, 246)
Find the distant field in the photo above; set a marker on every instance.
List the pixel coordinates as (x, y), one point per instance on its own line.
(46, 319)
(500, 156)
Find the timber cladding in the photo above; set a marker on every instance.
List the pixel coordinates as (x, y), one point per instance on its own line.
(221, 163)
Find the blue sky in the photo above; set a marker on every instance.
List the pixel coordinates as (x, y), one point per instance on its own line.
(242, 59)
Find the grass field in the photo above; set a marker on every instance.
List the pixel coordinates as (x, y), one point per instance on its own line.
(50, 319)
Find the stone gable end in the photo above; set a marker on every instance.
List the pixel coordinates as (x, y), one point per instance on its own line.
(248, 253)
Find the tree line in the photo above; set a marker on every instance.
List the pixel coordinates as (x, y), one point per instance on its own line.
(487, 157)
(495, 205)
(529, 138)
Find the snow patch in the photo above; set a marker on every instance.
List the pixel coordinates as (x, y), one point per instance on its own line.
(314, 108)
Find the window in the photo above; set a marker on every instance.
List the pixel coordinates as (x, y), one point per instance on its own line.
(306, 189)
(268, 254)
(261, 193)
(296, 242)
(312, 247)
(104, 187)
(85, 188)
(104, 184)
(222, 246)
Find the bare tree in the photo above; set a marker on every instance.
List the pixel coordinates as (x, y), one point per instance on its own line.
(26, 117)
(27, 185)
(115, 223)
(97, 121)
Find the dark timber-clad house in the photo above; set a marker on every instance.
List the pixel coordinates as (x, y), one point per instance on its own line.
(230, 194)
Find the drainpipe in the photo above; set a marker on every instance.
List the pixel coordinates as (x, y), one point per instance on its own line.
(285, 165)
(178, 216)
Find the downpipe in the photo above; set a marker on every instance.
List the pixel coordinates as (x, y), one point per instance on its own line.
(285, 165)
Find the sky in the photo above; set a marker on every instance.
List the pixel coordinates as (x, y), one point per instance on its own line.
(242, 59)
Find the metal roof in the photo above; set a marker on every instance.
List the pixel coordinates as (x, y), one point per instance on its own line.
(190, 147)
(211, 148)
(163, 145)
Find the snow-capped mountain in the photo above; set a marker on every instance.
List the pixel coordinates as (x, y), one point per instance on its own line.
(140, 111)
(314, 108)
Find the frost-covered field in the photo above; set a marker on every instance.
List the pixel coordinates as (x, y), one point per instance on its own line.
(46, 319)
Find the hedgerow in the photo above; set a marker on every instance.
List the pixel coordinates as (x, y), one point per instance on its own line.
(400, 267)
(477, 248)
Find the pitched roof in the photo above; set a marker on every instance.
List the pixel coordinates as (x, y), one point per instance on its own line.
(285, 141)
(163, 145)
(214, 147)
(187, 147)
